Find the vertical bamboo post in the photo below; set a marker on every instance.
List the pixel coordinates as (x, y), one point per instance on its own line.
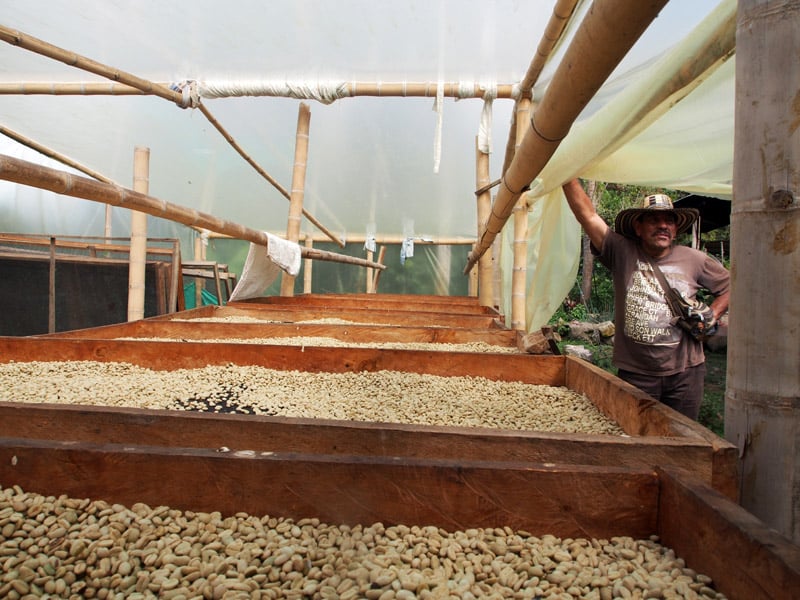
(497, 272)
(107, 225)
(472, 283)
(370, 275)
(762, 414)
(199, 284)
(307, 265)
(376, 279)
(51, 296)
(520, 211)
(485, 295)
(298, 188)
(138, 249)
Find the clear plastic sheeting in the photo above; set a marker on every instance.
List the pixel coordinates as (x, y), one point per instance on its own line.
(681, 138)
(373, 161)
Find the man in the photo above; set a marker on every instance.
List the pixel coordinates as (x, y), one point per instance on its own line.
(650, 352)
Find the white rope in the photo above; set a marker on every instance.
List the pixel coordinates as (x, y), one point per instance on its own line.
(466, 89)
(438, 105)
(188, 90)
(325, 92)
(485, 128)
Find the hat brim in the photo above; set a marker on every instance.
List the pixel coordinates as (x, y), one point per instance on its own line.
(684, 217)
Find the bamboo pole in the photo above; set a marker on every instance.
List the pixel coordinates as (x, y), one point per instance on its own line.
(351, 89)
(229, 138)
(472, 283)
(484, 200)
(497, 273)
(51, 295)
(138, 250)
(762, 412)
(519, 274)
(27, 173)
(377, 276)
(148, 87)
(606, 34)
(370, 276)
(199, 282)
(28, 42)
(557, 24)
(298, 188)
(50, 153)
(360, 238)
(307, 267)
(63, 159)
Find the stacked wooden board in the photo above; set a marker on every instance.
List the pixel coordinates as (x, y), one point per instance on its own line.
(668, 476)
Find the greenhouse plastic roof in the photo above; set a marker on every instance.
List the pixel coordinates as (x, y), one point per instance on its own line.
(386, 165)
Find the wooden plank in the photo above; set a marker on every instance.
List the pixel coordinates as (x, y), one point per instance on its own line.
(412, 298)
(74, 242)
(567, 501)
(97, 424)
(292, 314)
(180, 330)
(369, 301)
(640, 414)
(744, 557)
(527, 368)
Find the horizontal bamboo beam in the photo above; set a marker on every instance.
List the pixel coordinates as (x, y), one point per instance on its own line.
(61, 182)
(144, 86)
(348, 89)
(28, 42)
(605, 36)
(360, 238)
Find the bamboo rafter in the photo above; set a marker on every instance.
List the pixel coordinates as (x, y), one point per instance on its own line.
(182, 99)
(559, 19)
(50, 153)
(606, 34)
(28, 42)
(61, 182)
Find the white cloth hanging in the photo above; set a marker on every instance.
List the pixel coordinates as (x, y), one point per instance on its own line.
(262, 268)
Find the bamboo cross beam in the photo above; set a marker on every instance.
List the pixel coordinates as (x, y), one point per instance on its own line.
(50, 153)
(61, 182)
(606, 34)
(211, 89)
(17, 38)
(33, 44)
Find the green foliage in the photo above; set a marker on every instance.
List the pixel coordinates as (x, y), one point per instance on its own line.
(712, 409)
(568, 311)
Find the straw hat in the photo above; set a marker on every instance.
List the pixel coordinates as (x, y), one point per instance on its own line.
(684, 217)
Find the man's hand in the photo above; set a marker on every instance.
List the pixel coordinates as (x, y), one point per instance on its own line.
(706, 315)
(699, 318)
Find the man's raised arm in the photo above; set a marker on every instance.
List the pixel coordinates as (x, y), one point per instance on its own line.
(581, 206)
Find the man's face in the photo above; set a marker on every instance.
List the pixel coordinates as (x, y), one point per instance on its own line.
(657, 231)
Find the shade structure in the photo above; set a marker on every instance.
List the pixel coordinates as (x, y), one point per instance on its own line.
(399, 161)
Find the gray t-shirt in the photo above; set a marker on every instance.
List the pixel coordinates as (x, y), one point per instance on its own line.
(645, 341)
